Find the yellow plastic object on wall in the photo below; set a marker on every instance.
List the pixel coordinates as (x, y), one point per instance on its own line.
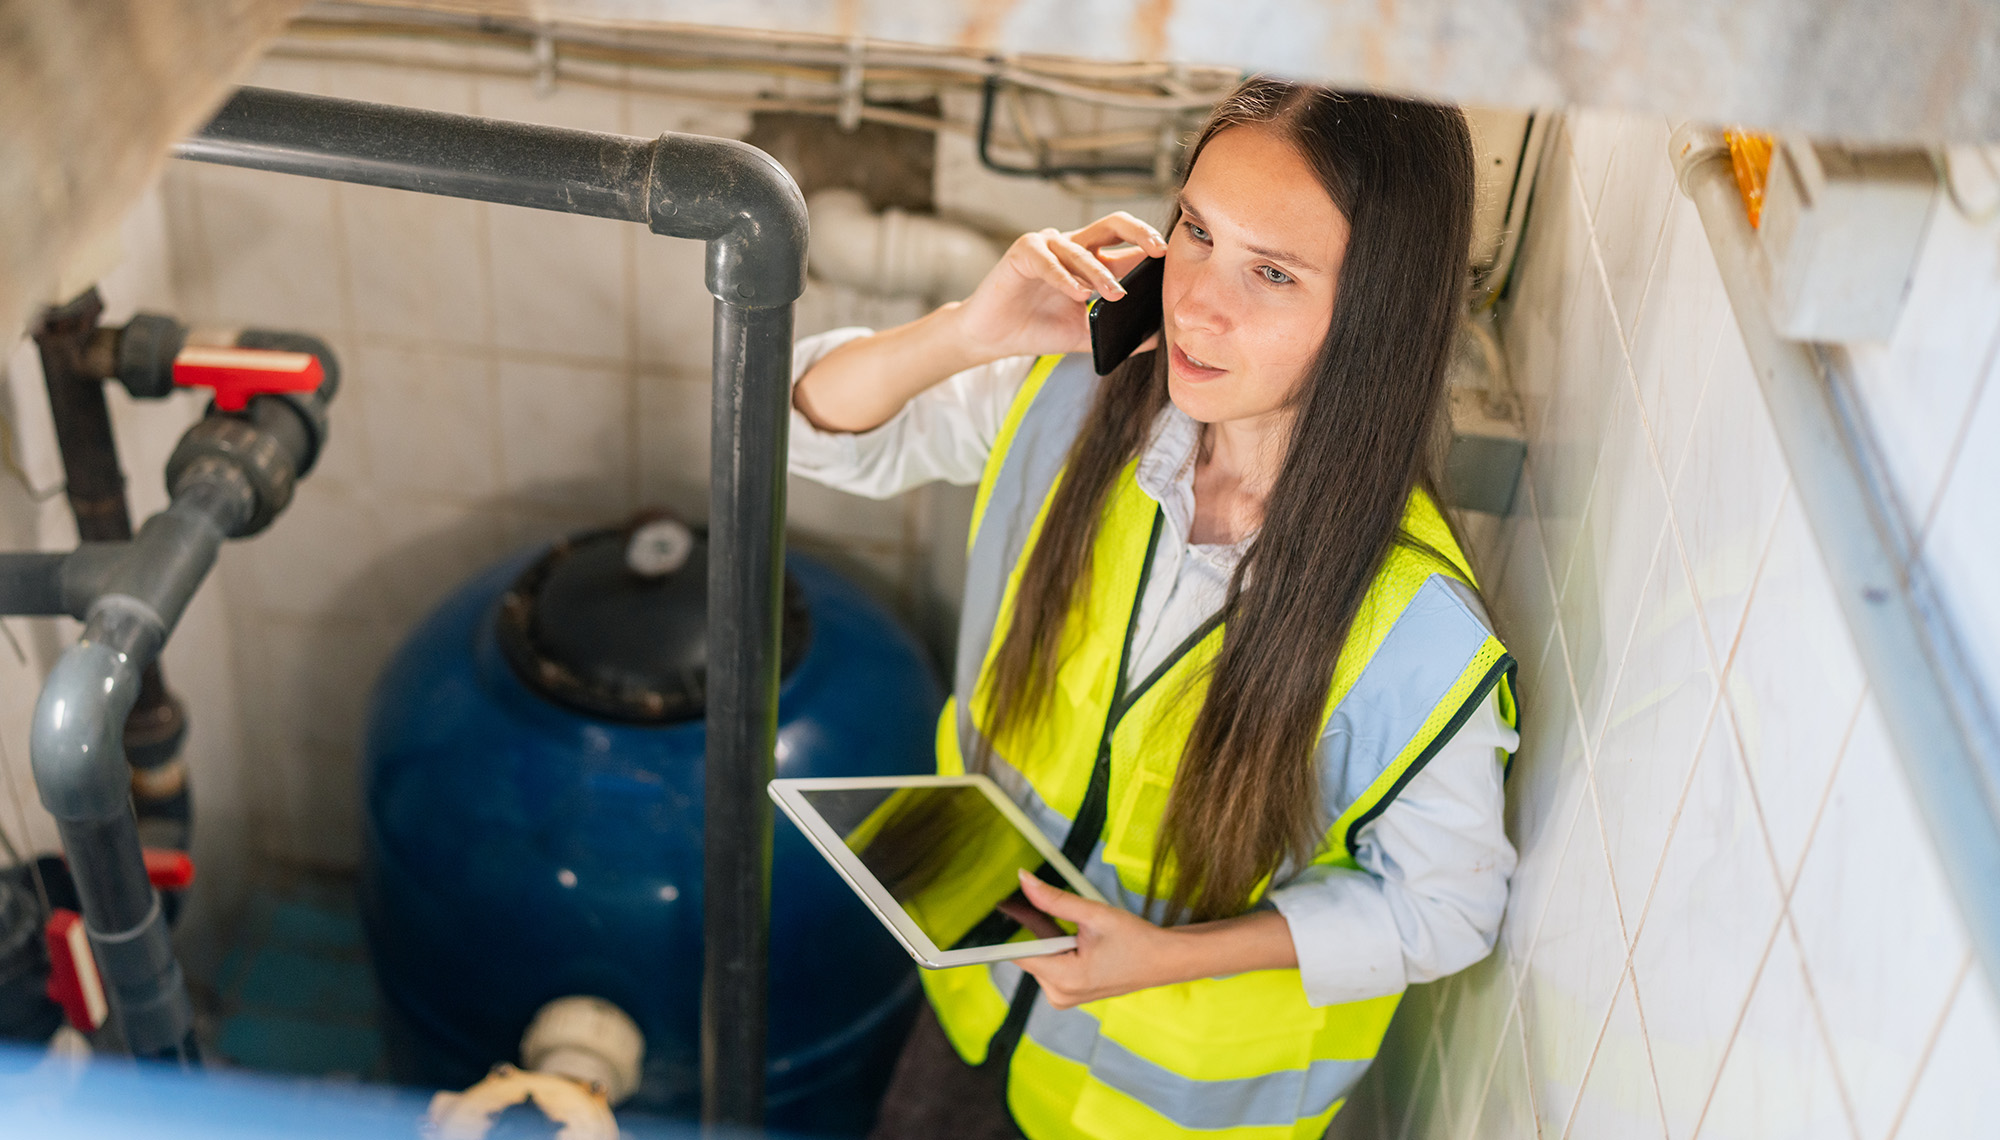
(1750, 158)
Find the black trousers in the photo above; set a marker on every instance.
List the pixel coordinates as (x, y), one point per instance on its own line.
(935, 1096)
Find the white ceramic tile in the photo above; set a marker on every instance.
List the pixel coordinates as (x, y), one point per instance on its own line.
(1725, 499)
(1658, 717)
(1521, 596)
(1676, 341)
(315, 561)
(1619, 540)
(650, 115)
(1428, 1118)
(1793, 685)
(1572, 974)
(567, 436)
(1507, 1112)
(415, 268)
(1391, 1080)
(270, 249)
(675, 314)
(1472, 1033)
(1956, 1094)
(968, 191)
(1619, 1097)
(1778, 1081)
(1569, 443)
(1879, 932)
(1555, 245)
(1963, 544)
(570, 105)
(1706, 929)
(428, 88)
(1594, 138)
(429, 549)
(534, 525)
(827, 515)
(674, 444)
(1631, 213)
(1918, 387)
(432, 419)
(558, 282)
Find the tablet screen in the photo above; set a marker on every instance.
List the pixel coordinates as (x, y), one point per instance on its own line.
(947, 856)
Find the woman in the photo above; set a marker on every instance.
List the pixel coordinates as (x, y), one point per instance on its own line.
(1217, 639)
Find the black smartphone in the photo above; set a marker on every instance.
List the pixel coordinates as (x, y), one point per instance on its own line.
(1118, 328)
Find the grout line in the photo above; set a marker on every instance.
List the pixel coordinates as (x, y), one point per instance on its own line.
(1646, 1040)
(1930, 1046)
(1513, 1019)
(1603, 1026)
(1736, 1027)
(1921, 539)
(1819, 1019)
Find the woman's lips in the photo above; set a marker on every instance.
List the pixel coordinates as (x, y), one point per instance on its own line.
(1192, 368)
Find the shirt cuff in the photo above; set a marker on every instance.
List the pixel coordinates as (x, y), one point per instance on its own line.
(812, 450)
(1344, 934)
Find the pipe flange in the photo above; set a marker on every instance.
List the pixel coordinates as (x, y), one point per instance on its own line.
(259, 457)
(1692, 146)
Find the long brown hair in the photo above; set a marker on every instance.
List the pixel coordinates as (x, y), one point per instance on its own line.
(1245, 798)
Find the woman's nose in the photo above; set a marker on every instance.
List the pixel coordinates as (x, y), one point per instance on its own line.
(1201, 304)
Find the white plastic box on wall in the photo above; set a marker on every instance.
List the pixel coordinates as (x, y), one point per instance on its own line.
(1841, 229)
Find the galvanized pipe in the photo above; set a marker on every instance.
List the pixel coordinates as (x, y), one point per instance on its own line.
(1942, 734)
(749, 211)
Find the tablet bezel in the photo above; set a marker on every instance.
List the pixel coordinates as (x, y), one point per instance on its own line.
(786, 794)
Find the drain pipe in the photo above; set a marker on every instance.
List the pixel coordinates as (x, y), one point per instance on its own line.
(1948, 743)
(743, 204)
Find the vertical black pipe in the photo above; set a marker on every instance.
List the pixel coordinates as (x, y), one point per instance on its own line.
(746, 544)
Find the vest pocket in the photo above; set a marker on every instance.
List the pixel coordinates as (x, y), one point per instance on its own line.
(1135, 827)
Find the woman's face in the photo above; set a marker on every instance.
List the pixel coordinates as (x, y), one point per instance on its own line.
(1250, 277)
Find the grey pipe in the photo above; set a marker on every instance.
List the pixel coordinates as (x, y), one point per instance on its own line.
(76, 744)
(1942, 732)
(55, 583)
(749, 211)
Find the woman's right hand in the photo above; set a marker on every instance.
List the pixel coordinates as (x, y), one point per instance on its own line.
(1030, 304)
(1033, 302)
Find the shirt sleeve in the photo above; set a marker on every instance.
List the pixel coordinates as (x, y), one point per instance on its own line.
(945, 432)
(1432, 884)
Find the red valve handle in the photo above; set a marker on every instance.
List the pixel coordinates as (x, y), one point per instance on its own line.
(237, 374)
(168, 869)
(74, 983)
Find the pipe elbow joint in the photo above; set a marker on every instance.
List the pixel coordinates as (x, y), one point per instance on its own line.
(1691, 148)
(76, 743)
(744, 205)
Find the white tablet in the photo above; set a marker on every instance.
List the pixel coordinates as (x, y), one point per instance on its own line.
(936, 857)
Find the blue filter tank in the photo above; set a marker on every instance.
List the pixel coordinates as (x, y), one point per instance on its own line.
(534, 821)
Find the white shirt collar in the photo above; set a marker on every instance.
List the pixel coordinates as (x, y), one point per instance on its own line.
(1166, 473)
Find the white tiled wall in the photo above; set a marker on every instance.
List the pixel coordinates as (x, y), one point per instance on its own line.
(1728, 919)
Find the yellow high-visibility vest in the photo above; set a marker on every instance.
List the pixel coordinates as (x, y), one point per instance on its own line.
(1233, 1058)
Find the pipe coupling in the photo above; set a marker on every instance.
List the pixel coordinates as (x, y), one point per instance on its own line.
(237, 444)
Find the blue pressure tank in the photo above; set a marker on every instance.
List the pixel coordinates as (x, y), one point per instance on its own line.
(534, 821)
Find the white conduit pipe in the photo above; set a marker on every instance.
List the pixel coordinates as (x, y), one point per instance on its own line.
(1936, 719)
(893, 252)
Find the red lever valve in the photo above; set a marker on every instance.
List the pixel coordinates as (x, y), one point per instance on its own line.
(168, 869)
(74, 982)
(237, 374)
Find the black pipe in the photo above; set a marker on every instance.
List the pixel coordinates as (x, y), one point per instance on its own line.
(749, 211)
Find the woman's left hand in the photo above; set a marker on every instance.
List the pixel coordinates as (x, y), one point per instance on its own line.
(1116, 951)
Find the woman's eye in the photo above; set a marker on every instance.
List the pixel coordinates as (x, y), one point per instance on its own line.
(1196, 232)
(1274, 275)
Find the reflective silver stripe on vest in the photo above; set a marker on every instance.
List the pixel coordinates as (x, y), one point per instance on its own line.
(1423, 656)
(1279, 1099)
(1033, 460)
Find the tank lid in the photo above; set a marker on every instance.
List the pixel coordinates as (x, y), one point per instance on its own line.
(614, 622)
